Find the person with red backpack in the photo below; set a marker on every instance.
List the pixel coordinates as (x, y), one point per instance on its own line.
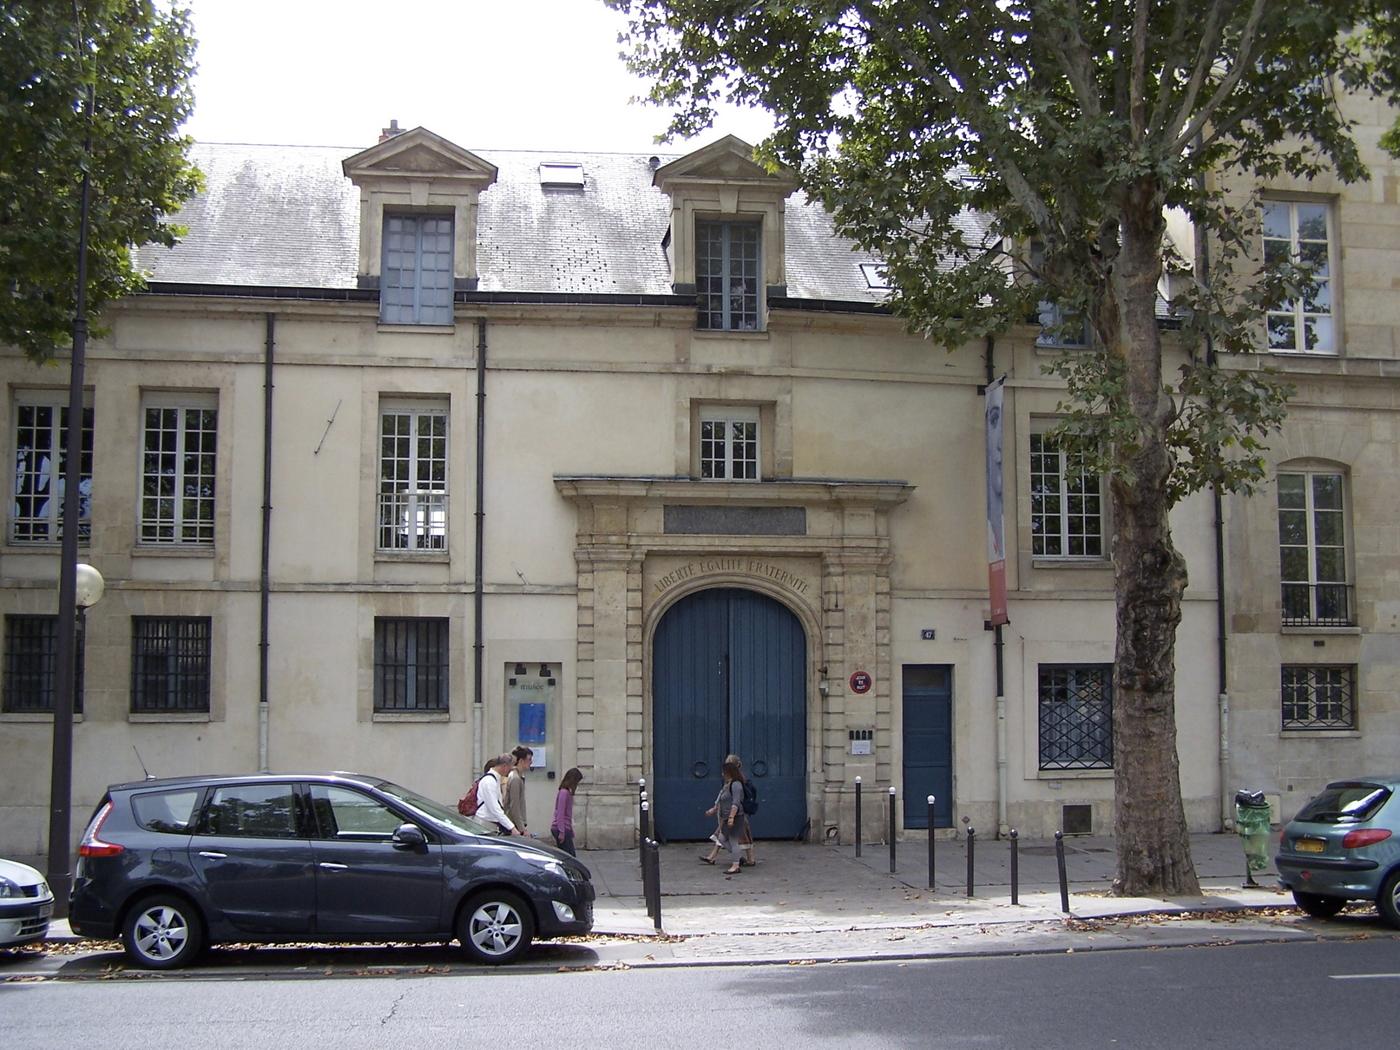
(488, 791)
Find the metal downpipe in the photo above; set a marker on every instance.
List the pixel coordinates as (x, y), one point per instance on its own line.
(264, 584)
(478, 631)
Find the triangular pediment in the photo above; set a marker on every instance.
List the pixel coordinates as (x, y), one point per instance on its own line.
(730, 159)
(416, 154)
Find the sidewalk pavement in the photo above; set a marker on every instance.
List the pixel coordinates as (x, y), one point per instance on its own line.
(809, 903)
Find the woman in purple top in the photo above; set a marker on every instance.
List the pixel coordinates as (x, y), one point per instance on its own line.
(562, 826)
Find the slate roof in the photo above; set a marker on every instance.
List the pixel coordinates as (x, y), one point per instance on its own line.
(287, 217)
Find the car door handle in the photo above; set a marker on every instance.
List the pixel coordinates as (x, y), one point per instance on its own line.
(333, 867)
(212, 855)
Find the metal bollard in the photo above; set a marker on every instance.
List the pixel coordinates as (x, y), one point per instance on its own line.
(857, 816)
(930, 841)
(892, 831)
(971, 849)
(655, 912)
(643, 830)
(646, 875)
(1060, 863)
(1015, 870)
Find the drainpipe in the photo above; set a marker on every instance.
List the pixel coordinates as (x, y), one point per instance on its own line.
(1222, 697)
(263, 582)
(478, 647)
(998, 647)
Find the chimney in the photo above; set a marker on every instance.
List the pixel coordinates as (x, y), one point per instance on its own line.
(393, 129)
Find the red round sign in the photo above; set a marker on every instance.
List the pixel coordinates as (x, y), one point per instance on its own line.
(861, 682)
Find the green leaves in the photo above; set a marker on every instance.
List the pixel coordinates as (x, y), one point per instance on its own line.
(138, 62)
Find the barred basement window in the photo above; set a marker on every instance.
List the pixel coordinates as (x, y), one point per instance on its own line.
(41, 441)
(1318, 697)
(1076, 716)
(177, 473)
(170, 664)
(410, 664)
(31, 648)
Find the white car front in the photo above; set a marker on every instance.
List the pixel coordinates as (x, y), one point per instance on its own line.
(26, 904)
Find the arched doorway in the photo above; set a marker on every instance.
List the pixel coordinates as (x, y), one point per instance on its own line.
(728, 675)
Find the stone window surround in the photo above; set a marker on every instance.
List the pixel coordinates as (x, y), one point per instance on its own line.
(846, 572)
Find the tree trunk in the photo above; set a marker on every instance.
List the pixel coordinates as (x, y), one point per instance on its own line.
(1154, 850)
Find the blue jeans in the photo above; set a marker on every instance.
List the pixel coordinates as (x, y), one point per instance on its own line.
(564, 841)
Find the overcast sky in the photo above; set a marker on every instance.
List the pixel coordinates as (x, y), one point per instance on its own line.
(485, 74)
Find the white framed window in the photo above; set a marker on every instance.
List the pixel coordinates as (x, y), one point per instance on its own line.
(41, 436)
(727, 274)
(1067, 503)
(415, 283)
(729, 443)
(1312, 544)
(1301, 232)
(412, 476)
(179, 446)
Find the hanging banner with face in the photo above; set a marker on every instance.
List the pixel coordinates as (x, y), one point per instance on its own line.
(996, 544)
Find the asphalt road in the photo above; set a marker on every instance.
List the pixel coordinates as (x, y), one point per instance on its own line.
(1311, 994)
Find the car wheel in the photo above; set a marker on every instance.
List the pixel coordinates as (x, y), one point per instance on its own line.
(163, 932)
(1317, 905)
(1388, 902)
(495, 927)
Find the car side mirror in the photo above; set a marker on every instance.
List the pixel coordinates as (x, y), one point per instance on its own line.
(409, 836)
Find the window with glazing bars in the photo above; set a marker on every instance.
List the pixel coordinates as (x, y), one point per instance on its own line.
(177, 474)
(170, 664)
(415, 281)
(1076, 716)
(1299, 232)
(31, 651)
(1318, 697)
(729, 444)
(1312, 550)
(727, 275)
(413, 479)
(41, 436)
(410, 664)
(1066, 503)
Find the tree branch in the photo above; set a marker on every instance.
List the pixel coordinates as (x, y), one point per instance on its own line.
(1205, 57)
(1227, 85)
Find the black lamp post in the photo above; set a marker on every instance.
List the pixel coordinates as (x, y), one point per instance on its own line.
(60, 874)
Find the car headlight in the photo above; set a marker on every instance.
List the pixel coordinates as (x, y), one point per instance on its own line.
(10, 889)
(549, 864)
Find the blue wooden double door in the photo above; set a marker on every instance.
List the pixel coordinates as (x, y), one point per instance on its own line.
(728, 677)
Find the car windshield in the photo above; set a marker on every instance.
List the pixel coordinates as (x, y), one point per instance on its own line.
(436, 810)
(1344, 804)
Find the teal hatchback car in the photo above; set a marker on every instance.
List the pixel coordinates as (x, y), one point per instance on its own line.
(1345, 845)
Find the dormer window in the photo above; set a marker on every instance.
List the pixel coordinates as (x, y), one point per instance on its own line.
(416, 277)
(727, 271)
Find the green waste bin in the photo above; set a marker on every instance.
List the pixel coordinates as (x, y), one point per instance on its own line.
(1252, 824)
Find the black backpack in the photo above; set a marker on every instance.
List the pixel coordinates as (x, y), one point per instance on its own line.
(750, 798)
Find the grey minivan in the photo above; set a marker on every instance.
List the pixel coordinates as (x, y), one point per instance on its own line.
(172, 866)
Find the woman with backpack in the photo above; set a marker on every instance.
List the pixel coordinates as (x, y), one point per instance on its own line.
(728, 812)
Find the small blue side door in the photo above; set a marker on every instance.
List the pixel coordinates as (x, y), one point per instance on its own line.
(928, 744)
